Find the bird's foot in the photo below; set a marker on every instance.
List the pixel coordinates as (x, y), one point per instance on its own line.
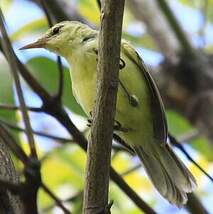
(119, 127)
(89, 123)
(89, 120)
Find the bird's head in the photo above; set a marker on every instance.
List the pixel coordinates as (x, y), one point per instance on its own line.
(63, 38)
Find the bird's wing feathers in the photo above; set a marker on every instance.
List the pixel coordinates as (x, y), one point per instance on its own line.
(157, 108)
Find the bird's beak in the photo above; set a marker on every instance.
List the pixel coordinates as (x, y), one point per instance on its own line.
(40, 43)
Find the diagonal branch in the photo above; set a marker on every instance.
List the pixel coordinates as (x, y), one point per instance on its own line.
(14, 69)
(179, 145)
(57, 201)
(132, 194)
(13, 107)
(42, 134)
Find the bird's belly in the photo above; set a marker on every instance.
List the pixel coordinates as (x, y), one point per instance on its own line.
(84, 92)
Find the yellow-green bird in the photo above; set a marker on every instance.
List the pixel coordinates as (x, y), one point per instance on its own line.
(139, 111)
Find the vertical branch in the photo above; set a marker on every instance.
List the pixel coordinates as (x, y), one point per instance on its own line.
(99, 149)
(6, 45)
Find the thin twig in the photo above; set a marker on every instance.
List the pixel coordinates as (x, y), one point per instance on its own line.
(175, 142)
(55, 198)
(118, 148)
(132, 194)
(42, 134)
(69, 199)
(132, 169)
(14, 69)
(12, 107)
(61, 79)
(119, 140)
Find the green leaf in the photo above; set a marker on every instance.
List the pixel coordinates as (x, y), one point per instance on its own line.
(202, 145)
(46, 71)
(178, 125)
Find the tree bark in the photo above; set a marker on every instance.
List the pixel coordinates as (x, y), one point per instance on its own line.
(9, 202)
(99, 148)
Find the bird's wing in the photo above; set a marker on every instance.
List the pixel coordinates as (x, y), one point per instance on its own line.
(157, 107)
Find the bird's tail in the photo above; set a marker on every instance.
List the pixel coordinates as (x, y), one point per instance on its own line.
(167, 172)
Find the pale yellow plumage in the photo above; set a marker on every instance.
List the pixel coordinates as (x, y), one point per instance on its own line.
(84, 88)
(145, 123)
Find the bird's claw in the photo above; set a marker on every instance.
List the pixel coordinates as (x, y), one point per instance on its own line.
(119, 127)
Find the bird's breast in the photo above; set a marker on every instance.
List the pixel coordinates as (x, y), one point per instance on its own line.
(83, 76)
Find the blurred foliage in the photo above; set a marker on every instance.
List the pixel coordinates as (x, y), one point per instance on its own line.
(204, 5)
(90, 10)
(35, 27)
(63, 166)
(48, 77)
(6, 4)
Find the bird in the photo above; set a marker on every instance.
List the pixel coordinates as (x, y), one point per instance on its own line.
(140, 116)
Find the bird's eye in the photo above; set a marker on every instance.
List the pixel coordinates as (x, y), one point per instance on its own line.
(56, 30)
